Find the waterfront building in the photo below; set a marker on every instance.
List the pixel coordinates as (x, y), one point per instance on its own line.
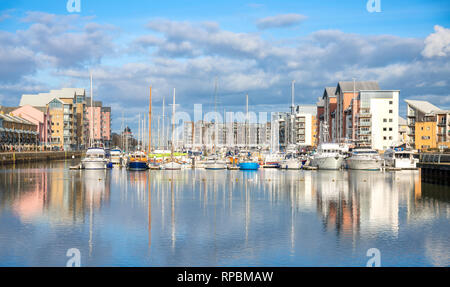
(403, 137)
(17, 134)
(328, 132)
(41, 118)
(428, 126)
(106, 126)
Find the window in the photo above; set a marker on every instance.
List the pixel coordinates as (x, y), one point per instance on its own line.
(384, 120)
(390, 138)
(390, 120)
(384, 138)
(390, 111)
(390, 129)
(391, 102)
(384, 129)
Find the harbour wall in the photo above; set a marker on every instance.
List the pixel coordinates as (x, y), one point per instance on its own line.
(27, 157)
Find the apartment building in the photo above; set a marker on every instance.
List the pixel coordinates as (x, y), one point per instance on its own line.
(40, 117)
(428, 126)
(329, 110)
(17, 134)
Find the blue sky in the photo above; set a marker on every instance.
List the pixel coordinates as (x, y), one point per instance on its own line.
(254, 47)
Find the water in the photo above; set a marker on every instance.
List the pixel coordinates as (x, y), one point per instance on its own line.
(220, 218)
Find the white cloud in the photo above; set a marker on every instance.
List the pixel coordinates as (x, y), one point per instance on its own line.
(437, 44)
(280, 21)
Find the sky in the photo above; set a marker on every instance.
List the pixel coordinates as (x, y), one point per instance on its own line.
(251, 47)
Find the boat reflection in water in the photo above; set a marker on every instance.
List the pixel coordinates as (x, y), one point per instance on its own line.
(197, 217)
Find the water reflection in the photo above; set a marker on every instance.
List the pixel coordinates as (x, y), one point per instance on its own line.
(204, 218)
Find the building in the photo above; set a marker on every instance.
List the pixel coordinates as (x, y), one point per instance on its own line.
(428, 126)
(403, 131)
(360, 114)
(17, 134)
(41, 118)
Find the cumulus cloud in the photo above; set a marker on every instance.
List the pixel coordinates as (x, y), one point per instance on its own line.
(51, 41)
(437, 44)
(280, 21)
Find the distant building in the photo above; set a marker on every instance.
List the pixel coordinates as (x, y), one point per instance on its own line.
(40, 117)
(428, 126)
(17, 134)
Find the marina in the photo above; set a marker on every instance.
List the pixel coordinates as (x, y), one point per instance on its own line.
(197, 217)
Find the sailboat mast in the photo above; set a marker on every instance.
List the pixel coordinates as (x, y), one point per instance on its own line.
(246, 122)
(139, 132)
(91, 139)
(164, 123)
(173, 121)
(150, 123)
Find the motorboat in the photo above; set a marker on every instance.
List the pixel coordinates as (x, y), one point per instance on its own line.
(401, 158)
(364, 159)
(138, 161)
(290, 162)
(116, 157)
(95, 159)
(249, 165)
(171, 165)
(329, 156)
(215, 164)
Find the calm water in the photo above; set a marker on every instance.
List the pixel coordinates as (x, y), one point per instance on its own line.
(220, 218)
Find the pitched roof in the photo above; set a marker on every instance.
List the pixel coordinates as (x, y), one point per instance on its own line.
(423, 106)
(358, 86)
(330, 92)
(42, 99)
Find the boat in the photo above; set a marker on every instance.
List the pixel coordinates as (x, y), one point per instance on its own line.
(172, 164)
(116, 157)
(364, 159)
(400, 158)
(138, 161)
(290, 162)
(95, 159)
(329, 156)
(248, 165)
(272, 160)
(215, 164)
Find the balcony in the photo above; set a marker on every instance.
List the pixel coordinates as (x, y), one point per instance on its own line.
(442, 124)
(364, 115)
(365, 124)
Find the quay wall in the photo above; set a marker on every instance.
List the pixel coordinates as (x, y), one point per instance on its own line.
(26, 157)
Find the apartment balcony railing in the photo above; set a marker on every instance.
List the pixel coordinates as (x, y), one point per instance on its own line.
(442, 124)
(364, 115)
(365, 124)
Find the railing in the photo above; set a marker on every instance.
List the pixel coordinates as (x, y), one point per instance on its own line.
(435, 158)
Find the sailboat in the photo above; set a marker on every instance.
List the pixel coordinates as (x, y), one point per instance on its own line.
(214, 163)
(248, 164)
(172, 164)
(95, 156)
(138, 160)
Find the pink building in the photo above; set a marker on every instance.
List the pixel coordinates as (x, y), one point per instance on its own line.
(99, 121)
(38, 116)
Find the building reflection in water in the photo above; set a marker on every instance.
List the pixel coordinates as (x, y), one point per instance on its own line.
(226, 213)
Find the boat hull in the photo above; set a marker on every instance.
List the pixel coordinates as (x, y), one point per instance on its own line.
(215, 166)
(328, 163)
(364, 164)
(249, 166)
(137, 165)
(94, 164)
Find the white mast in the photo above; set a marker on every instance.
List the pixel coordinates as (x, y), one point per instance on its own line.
(173, 121)
(246, 124)
(163, 123)
(91, 140)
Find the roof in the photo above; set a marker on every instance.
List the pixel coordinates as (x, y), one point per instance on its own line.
(423, 106)
(330, 92)
(7, 110)
(42, 99)
(357, 86)
(402, 121)
(10, 118)
(320, 103)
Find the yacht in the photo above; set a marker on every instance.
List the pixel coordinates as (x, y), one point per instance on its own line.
(401, 158)
(116, 157)
(364, 159)
(171, 165)
(215, 164)
(290, 162)
(328, 156)
(95, 159)
(272, 160)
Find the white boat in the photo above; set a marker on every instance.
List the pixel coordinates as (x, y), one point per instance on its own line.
(95, 159)
(400, 158)
(364, 159)
(171, 166)
(290, 162)
(215, 164)
(116, 157)
(329, 156)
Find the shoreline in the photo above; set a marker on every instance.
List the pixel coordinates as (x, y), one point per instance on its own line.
(37, 156)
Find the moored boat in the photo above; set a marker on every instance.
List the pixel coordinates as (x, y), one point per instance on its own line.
(138, 161)
(400, 158)
(364, 159)
(329, 156)
(95, 159)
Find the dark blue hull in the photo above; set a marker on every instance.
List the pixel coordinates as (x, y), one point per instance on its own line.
(137, 165)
